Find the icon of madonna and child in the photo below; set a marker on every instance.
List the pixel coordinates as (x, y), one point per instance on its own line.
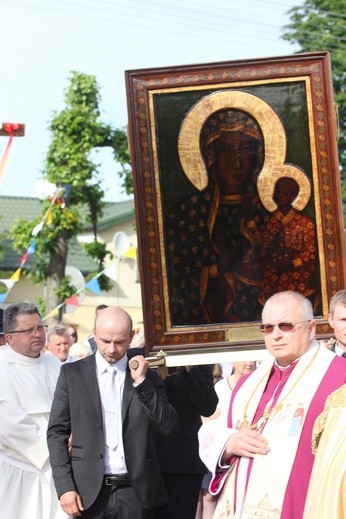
(242, 234)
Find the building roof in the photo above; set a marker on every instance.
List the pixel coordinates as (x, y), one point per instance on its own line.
(14, 208)
(115, 213)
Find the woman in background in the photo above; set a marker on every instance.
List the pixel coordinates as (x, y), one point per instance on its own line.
(223, 389)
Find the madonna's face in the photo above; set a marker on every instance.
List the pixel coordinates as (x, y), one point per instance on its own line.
(236, 156)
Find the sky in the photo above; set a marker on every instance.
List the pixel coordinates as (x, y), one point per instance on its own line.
(42, 41)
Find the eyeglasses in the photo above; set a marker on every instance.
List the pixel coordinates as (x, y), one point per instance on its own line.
(284, 327)
(30, 331)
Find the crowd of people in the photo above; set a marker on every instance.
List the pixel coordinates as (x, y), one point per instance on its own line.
(99, 434)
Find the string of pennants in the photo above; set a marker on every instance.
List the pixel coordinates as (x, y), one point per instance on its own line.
(92, 285)
(47, 218)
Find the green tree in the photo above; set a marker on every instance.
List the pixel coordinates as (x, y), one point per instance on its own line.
(76, 131)
(319, 25)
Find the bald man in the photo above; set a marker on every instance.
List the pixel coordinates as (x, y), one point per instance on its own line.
(111, 411)
(262, 461)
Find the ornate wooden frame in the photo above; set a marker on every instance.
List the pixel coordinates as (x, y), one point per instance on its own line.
(289, 96)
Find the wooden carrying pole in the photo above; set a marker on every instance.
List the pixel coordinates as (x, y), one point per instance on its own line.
(163, 360)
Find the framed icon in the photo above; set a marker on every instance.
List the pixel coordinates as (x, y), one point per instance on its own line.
(237, 196)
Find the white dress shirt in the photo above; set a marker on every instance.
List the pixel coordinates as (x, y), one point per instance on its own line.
(114, 458)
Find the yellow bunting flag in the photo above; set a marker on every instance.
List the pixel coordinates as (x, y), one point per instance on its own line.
(53, 313)
(49, 217)
(131, 253)
(16, 275)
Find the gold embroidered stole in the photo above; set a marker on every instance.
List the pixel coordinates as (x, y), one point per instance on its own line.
(270, 473)
(326, 496)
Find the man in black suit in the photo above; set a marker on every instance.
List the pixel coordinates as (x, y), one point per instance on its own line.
(191, 391)
(111, 468)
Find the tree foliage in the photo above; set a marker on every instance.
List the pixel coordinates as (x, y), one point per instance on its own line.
(76, 131)
(122, 156)
(319, 25)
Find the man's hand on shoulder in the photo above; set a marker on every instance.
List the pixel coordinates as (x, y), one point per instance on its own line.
(71, 503)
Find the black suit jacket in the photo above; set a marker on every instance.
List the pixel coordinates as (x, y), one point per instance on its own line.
(192, 394)
(76, 410)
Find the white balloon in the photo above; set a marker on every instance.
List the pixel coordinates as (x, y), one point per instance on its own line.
(44, 189)
(76, 276)
(78, 281)
(121, 243)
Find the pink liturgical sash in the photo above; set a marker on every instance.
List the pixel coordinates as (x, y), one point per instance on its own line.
(277, 483)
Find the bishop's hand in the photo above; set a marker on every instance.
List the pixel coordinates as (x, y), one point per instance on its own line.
(245, 442)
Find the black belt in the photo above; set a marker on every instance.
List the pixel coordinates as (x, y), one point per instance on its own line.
(117, 480)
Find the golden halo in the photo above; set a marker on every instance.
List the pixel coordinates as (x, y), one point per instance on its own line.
(274, 145)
